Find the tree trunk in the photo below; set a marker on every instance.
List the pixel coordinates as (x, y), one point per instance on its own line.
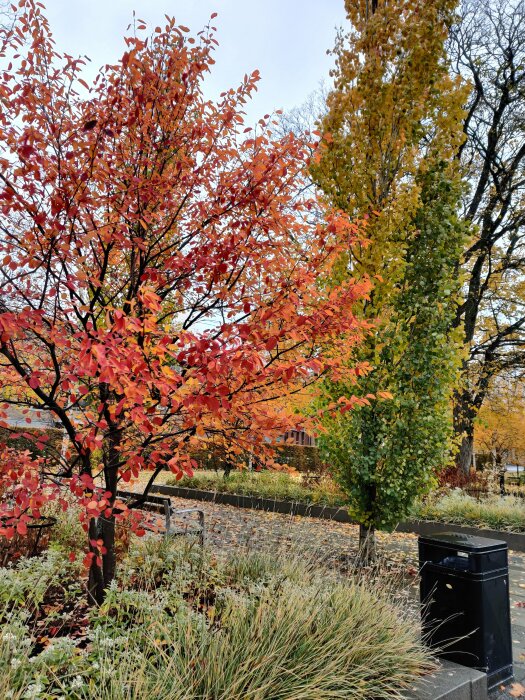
(501, 471)
(103, 563)
(502, 490)
(227, 469)
(367, 545)
(464, 415)
(465, 454)
(95, 578)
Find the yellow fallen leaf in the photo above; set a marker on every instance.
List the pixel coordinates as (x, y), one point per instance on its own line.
(517, 690)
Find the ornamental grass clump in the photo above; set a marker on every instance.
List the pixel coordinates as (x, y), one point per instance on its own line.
(280, 486)
(492, 512)
(309, 641)
(180, 624)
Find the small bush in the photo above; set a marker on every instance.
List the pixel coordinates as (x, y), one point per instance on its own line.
(26, 585)
(456, 507)
(452, 477)
(67, 534)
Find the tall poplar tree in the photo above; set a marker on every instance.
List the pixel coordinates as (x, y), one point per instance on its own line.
(392, 126)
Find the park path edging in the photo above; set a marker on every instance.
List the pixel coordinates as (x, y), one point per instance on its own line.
(515, 540)
(428, 528)
(451, 682)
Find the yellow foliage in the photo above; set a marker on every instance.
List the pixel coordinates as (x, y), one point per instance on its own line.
(500, 426)
(393, 112)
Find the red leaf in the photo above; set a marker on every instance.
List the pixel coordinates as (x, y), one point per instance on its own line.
(271, 343)
(91, 124)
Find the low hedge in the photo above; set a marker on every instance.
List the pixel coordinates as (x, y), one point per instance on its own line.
(454, 507)
(303, 458)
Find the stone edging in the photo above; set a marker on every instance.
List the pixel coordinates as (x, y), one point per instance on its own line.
(515, 540)
(451, 682)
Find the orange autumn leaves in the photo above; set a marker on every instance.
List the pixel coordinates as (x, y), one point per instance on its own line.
(160, 284)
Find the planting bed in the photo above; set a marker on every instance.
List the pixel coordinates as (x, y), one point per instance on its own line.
(227, 624)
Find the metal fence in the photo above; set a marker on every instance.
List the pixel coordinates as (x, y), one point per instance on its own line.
(480, 494)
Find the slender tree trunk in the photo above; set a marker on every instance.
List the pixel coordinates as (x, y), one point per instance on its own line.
(95, 578)
(109, 558)
(501, 472)
(367, 544)
(227, 469)
(111, 463)
(103, 564)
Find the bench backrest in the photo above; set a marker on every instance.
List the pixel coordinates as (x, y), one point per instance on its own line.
(150, 498)
(160, 502)
(164, 503)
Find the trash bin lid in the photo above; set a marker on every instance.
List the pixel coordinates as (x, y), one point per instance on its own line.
(467, 543)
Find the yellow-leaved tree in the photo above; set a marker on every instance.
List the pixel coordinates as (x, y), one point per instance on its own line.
(393, 123)
(500, 425)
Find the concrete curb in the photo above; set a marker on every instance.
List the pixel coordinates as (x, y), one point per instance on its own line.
(451, 682)
(515, 540)
(258, 503)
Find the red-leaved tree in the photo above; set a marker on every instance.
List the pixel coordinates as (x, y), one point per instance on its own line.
(162, 272)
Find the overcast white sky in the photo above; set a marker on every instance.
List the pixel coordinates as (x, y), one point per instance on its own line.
(285, 39)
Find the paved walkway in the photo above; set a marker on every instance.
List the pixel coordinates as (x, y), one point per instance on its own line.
(335, 545)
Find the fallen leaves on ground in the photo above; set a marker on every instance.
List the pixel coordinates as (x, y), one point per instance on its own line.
(517, 690)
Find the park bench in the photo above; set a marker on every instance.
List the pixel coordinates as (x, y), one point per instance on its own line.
(163, 504)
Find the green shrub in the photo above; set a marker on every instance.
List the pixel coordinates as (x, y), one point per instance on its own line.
(456, 507)
(303, 458)
(67, 534)
(26, 585)
(306, 459)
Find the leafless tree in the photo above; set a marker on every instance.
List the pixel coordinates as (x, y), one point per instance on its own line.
(487, 47)
(6, 14)
(306, 117)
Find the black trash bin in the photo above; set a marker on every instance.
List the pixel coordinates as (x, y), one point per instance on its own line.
(465, 596)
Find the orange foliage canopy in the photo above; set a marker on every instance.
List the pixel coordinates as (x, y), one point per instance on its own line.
(161, 267)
